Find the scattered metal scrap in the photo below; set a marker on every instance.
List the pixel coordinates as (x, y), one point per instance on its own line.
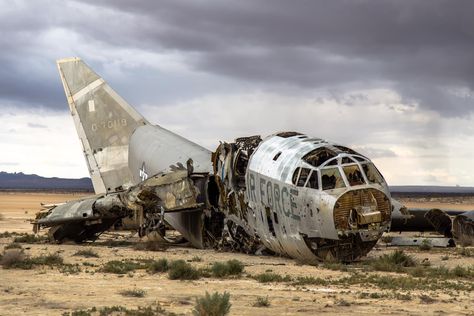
(418, 241)
(452, 224)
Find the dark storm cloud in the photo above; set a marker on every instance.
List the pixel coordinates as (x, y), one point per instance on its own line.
(421, 49)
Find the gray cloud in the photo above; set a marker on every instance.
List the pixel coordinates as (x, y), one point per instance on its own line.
(376, 152)
(36, 125)
(421, 50)
(6, 163)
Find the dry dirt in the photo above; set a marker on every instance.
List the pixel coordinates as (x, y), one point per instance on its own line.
(47, 291)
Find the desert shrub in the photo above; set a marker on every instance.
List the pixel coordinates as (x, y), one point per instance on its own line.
(271, 277)
(13, 258)
(305, 280)
(394, 262)
(13, 245)
(150, 245)
(47, 260)
(442, 272)
(196, 259)
(465, 252)
(180, 270)
(133, 293)
(156, 266)
(70, 269)
(462, 272)
(335, 266)
(119, 267)
(262, 302)
(30, 239)
(342, 302)
(86, 253)
(119, 310)
(224, 269)
(212, 305)
(425, 245)
(6, 234)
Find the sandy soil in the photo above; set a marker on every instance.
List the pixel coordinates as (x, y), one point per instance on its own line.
(47, 291)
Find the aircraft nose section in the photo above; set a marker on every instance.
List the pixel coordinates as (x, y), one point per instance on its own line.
(361, 209)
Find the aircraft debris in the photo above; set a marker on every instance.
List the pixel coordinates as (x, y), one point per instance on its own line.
(441, 242)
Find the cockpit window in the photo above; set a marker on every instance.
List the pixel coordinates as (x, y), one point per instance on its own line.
(360, 158)
(331, 179)
(373, 175)
(318, 156)
(303, 177)
(300, 176)
(345, 160)
(353, 175)
(295, 175)
(313, 182)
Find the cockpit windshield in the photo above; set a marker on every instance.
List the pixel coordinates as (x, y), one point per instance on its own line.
(373, 175)
(328, 170)
(331, 179)
(353, 174)
(319, 156)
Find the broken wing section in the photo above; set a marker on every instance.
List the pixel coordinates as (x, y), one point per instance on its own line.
(104, 123)
(173, 199)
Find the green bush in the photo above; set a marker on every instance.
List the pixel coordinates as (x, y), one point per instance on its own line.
(425, 245)
(229, 268)
(47, 260)
(271, 277)
(262, 302)
(30, 239)
(13, 245)
(196, 259)
(15, 258)
(156, 266)
(180, 270)
(87, 253)
(119, 267)
(133, 293)
(212, 305)
(394, 262)
(70, 269)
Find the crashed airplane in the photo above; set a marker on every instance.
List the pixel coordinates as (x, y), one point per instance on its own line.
(289, 193)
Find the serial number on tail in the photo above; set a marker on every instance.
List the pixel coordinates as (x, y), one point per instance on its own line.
(110, 124)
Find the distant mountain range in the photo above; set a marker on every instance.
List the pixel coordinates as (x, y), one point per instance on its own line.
(21, 181)
(425, 189)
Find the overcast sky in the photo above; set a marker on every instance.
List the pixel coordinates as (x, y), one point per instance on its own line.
(393, 79)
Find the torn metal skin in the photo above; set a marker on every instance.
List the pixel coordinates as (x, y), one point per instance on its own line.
(143, 204)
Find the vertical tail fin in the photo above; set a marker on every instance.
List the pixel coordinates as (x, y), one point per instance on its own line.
(104, 122)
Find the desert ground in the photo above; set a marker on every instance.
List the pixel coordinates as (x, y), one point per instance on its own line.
(80, 283)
